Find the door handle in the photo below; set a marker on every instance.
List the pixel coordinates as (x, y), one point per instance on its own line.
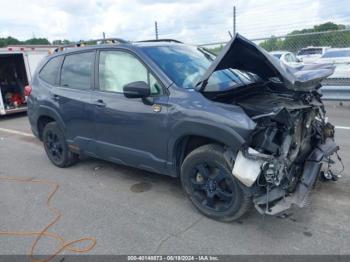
(99, 103)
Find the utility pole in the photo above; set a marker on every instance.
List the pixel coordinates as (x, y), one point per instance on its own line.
(234, 20)
(156, 29)
(104, 37)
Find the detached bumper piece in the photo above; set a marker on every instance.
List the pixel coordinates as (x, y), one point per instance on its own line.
(275, 201)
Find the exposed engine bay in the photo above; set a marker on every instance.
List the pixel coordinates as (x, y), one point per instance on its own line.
(291, 140)
(281, 159)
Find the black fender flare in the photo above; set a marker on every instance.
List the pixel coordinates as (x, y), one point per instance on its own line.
(215, 131)
(50, 112)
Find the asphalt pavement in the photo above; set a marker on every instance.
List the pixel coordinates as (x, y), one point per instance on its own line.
(130, 211)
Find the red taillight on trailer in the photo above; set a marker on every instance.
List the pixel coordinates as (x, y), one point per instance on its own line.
(27, 90)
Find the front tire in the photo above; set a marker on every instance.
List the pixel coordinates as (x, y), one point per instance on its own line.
(209, 184)
(56, 146)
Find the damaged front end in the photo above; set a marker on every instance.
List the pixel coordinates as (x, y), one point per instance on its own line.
(288, 147)
(292, 138)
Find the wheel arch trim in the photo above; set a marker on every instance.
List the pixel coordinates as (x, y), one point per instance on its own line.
(49, 112)
(220, 133)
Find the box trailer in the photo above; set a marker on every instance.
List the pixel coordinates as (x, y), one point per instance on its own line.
(17, 66)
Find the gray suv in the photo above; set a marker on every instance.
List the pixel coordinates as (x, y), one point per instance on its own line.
(239, 129)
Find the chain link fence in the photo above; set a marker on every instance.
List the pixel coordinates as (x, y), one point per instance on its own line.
(308, 48)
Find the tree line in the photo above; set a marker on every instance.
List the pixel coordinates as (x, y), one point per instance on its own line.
(327, 34)
(293, 41)
(5, 41)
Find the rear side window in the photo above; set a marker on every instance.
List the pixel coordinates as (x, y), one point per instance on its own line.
(77, 70)
(50, 70)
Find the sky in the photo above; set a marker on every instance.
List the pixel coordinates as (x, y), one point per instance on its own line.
(192, 21)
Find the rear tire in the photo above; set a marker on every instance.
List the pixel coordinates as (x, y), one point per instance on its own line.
(56, 146)
(209, 184)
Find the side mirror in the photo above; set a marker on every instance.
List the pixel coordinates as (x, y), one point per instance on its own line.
(138, 89)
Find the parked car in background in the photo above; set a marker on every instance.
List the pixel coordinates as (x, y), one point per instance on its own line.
(287, 57)
(340, 57)
(310, 54)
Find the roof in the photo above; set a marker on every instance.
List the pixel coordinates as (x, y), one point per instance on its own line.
(279, 52)
(34, 46)
(311, 47)
(28, 48)
(338, 49)
(114, 42)
(123, 44)
(155, 43)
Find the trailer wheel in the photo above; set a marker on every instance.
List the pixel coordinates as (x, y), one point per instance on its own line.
(56, 146)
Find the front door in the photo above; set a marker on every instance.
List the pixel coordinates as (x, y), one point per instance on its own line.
(129, 131)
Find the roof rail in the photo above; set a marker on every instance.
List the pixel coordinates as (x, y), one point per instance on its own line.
(83, 43)
(105, 40)
(161, 40)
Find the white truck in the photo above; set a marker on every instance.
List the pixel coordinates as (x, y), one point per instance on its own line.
(17, 65)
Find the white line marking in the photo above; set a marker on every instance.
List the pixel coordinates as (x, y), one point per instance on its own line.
(11, 131)
(343, 127)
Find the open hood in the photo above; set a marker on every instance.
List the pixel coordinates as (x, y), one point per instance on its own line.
(244, 55)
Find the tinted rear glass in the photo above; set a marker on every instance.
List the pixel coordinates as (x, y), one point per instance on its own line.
(337, 53)
(77, 70)
(310, 51)
(50, 70)
(277, 55)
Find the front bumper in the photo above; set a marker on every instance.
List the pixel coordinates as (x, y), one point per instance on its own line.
(275, 201)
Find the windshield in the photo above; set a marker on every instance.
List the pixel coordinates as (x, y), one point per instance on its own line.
(185, 65)
(337, 53)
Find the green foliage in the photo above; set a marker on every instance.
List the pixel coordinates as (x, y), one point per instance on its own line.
(215, 50)
(9, 41)
(13, 41)
(37, 41)
(294, 41)
(61, 42)
(272, 44)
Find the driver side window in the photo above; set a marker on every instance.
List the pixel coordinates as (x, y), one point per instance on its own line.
(117, 69)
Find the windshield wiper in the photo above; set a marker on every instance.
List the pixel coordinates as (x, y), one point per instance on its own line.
(201, 85)
(207, 53)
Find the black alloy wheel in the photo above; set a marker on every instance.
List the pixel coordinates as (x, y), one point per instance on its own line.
(212, 187)
(56, 146)
(209, 184)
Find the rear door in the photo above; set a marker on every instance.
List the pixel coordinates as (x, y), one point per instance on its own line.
(73, 97)
(129, 131)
